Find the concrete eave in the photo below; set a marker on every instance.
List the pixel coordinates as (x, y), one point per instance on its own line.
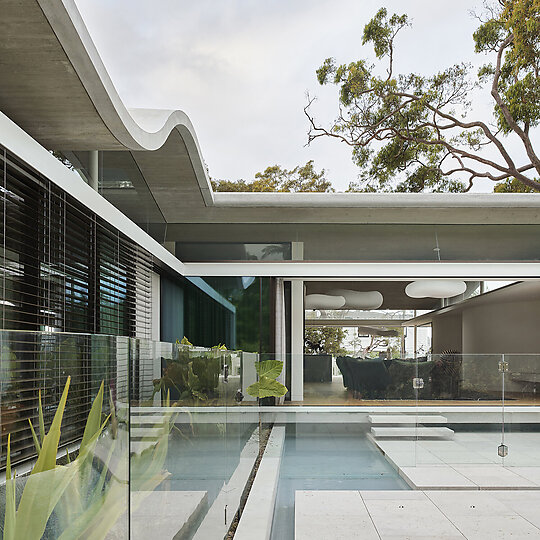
(378, 200)
(56, 88)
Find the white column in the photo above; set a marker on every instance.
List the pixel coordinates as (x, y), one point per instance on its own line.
(280, 343)
(297, 329)
(93, 169)
(156, 331)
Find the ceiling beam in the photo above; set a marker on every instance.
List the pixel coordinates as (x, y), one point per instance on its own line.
(395, 271)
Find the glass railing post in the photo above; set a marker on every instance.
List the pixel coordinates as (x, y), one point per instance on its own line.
(503, 369)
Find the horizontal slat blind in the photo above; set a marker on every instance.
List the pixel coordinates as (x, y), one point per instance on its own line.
(64, 268)
(33, 362)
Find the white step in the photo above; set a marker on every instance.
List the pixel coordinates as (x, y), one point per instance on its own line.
(146, 433)
(138, 447)
(406, 419)
(155, 419)
(423, 432)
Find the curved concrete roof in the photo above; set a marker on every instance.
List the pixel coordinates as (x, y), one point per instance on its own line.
(55, 86)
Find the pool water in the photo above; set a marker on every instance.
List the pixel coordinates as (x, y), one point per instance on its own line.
(205, 461)
(328, 457)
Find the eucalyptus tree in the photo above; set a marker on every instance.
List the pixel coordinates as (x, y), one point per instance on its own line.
(410, 132)
(303, 178)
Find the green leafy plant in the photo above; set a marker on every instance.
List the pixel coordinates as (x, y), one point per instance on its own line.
(83, 507)
(192, 376)
(267, 386)
(47, 481)
(184, 383)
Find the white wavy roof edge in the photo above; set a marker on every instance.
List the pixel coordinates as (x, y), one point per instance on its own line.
(136, 129)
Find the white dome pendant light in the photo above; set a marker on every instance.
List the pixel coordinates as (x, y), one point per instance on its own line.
(359, 299)
(323, 301)
(435, 288)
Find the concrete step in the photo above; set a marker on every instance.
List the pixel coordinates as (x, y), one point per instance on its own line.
(146, 433)
(138, 447)
(406, 419)
(422, 432)
(148, 419)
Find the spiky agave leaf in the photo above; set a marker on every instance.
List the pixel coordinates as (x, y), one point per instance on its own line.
(49, 447)
(93, 422)
(11, 505)
(41, 420)
(34, 436)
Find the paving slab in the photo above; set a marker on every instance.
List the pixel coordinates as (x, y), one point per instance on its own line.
(495, 477)
(339, 515)
(425, 432)
(416, 515)
(436, 478)
(166, 515)
(406, 419)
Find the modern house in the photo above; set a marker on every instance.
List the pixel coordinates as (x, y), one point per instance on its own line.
(114, 246)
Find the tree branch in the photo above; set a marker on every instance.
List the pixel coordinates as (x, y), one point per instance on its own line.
(505, 111)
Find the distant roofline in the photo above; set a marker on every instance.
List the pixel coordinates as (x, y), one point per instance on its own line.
(377, 200)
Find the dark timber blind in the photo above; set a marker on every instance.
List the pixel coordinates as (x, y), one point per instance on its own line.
(63, 267)
(69, 283)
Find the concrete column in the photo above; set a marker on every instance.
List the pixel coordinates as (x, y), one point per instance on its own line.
(93, 169)
(297, 329)
(280, 337)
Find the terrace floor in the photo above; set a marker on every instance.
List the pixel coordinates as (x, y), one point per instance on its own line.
(468, 461)
(417, 515)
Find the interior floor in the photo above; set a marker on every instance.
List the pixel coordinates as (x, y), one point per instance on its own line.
(335, 394)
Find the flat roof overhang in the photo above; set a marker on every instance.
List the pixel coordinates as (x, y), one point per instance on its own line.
(396, 271)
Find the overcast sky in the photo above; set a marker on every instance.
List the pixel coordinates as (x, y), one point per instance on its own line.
(240, 69)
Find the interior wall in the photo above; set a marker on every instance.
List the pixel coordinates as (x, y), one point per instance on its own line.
(447, 333)
(509, 327)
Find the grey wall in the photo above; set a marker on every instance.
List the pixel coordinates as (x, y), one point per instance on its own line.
(447, 333)
(172, 311)
(509, 327)
(491, 329)
(494, 327)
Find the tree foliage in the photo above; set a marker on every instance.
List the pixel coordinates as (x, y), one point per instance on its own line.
(414, 133)
(302, 178)
(512, 186)
(324, 339)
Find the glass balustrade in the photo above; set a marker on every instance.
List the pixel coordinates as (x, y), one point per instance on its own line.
(131, 438)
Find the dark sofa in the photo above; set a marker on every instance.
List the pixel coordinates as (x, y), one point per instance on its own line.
(391, 379)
